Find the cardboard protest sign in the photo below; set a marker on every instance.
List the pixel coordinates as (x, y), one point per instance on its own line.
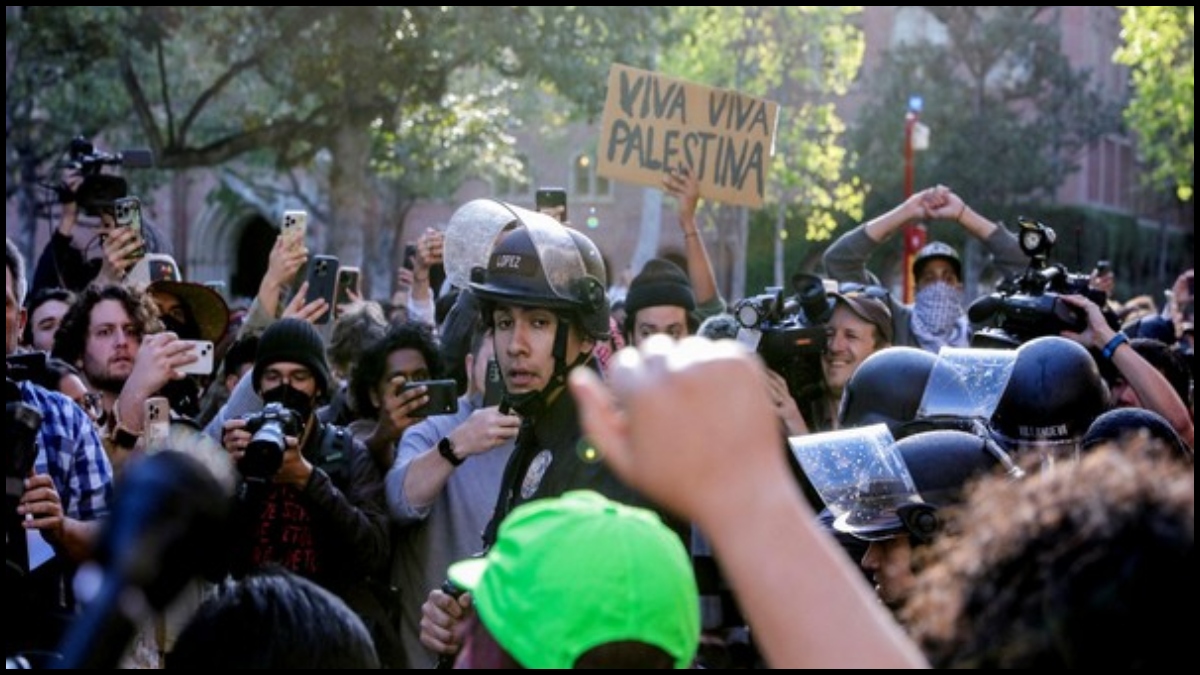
(653, 123)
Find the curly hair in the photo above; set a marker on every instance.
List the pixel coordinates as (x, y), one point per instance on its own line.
(1082, 565)
(71, 339)
(372, 364)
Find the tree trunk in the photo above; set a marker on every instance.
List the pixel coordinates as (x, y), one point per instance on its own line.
(353, 207)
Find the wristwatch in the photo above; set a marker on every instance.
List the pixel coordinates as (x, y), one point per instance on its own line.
(446, 450)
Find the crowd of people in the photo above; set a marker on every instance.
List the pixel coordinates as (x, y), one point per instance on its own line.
(645, 490)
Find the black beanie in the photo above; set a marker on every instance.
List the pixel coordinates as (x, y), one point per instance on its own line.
(292, 341)
(661, 282)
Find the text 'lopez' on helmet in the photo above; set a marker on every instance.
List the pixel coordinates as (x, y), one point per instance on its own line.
(1053, 396)
(538, 262)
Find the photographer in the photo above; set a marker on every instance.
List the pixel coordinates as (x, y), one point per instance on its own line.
(67, 493)
(311, 498)
(64, 263)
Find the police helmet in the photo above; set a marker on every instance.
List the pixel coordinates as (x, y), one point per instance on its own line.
(1053, 396)
(887, 388)
(940, 463)
(538, 262)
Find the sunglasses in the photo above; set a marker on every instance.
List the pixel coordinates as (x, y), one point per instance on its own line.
(854, 290)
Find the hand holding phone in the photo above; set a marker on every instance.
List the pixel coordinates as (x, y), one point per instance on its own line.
(443, 397)
(204, 364)
(322, 284)
(127, 212)
(552, 201)
(294, 229)
(156, 423)
(349, 280)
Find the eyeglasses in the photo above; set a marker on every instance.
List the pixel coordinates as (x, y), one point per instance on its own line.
(854, 290)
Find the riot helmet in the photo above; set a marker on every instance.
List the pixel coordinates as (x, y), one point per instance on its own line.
(940, 464)
(887, 388)
(1053, 396)
(537, 262)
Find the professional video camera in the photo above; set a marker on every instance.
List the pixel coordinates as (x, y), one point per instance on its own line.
(88, 161)
(1030, 305)
(98, 189)
(264, 454)
(21, 422)
(790, 331)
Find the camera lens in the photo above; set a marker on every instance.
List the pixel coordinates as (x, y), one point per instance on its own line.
(264, 454)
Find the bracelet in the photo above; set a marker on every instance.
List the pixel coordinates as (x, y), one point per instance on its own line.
(1113, 344)
(958, 218)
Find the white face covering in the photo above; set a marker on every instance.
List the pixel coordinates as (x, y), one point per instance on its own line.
(938, 318)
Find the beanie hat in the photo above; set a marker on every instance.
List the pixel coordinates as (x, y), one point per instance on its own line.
(661, 282)
(292, 341)
(569, 574)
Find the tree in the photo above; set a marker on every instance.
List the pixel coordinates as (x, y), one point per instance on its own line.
(802, 58)
(284, 86)
(1160, 50)
(1008, 113)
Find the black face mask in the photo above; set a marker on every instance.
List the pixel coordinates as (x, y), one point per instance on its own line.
(292, 399)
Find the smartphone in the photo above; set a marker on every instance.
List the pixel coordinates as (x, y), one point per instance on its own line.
(348, 279)
(294, 229)
(156, 423)
(493, 388)
(322, 283)
(552, 201)
(204, 366)
(127, 211)
(410, 256)
(443, 397)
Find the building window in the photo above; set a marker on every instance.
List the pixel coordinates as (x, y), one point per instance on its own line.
(587, 184)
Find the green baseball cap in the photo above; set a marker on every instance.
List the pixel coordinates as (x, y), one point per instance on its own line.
(571, 573)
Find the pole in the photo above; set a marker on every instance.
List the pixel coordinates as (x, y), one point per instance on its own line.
(910, 121)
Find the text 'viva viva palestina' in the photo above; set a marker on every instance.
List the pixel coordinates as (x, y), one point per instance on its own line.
(728, 145)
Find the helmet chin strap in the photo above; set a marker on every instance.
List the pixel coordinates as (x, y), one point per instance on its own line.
(532, 402)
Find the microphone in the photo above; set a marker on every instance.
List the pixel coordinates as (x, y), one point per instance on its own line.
(166, 527)
(137, 159)
(984, 308)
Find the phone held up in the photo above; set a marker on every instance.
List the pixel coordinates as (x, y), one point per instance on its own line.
(443, 397)
(203, 366)
(322, 284)
(348, 279)
(294, 229)
(157, 423)
(127, 212)
(552, 201)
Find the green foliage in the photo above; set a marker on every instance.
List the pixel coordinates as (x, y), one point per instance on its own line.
(1160, 50)
(802, 58)
(1006, 111)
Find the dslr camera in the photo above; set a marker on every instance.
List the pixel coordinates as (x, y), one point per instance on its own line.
(269, 428)
(1030, 305)
(790, 330)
